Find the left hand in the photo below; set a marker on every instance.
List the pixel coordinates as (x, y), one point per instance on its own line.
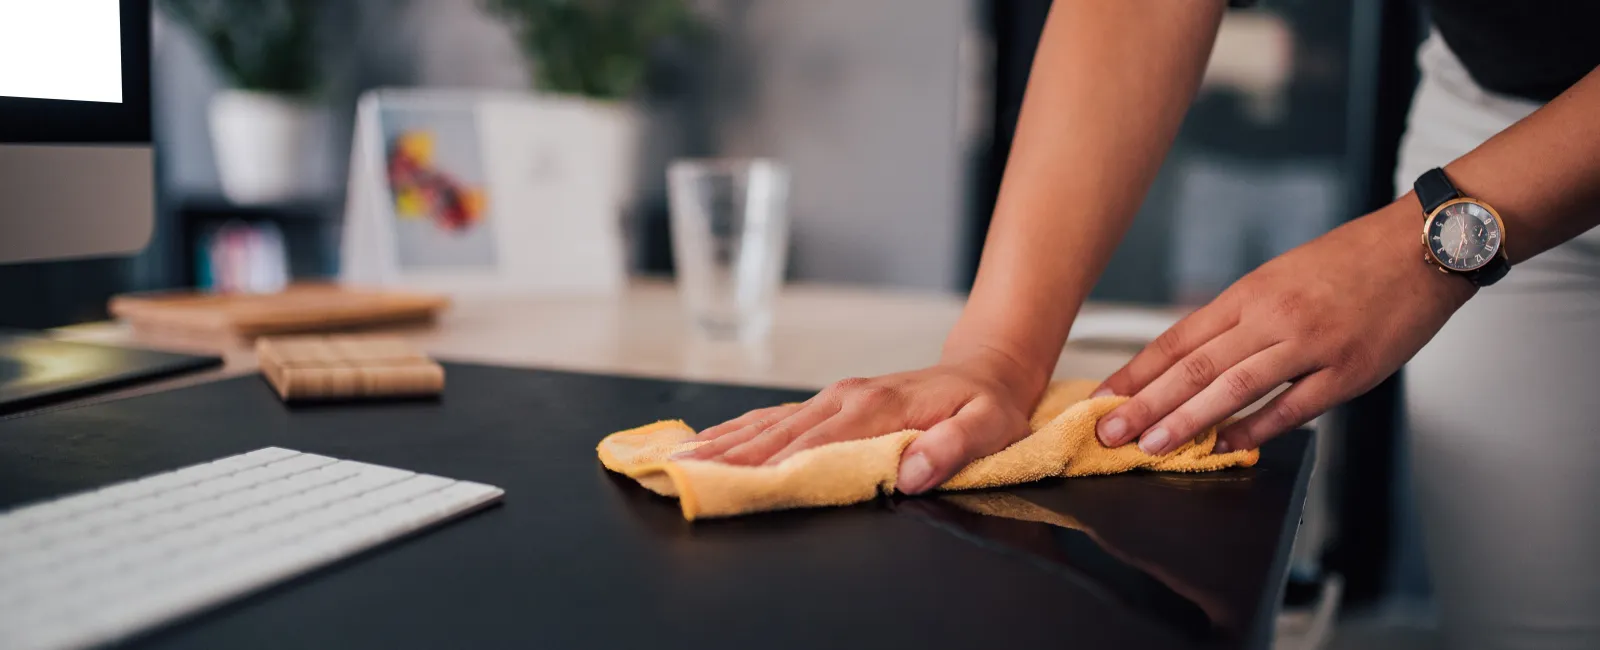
(1334, 316)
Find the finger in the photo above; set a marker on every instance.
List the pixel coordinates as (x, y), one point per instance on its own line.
(980, 428)
(736, 437)
(1236, 388)
(1295, 406)
(758, 449)
(771, 414)
(1177, 342)
(849, 424)
(1179, 384)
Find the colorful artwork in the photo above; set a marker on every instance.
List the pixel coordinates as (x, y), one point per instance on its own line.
(424, 192)
(438, 192)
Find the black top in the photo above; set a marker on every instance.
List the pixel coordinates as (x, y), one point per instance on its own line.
(1533, 49)
(576, 557)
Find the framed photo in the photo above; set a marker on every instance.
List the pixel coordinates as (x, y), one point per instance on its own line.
(462, 191)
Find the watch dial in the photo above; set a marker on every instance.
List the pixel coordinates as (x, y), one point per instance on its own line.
(1464, 236)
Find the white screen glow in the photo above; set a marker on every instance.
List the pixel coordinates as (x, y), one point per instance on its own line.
(61, 49)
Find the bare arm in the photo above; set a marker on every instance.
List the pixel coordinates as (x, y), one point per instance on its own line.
(1346, 310)
(1110, 84)
(1543, 173)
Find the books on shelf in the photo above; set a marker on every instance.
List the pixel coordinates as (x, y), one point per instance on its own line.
(243, 257)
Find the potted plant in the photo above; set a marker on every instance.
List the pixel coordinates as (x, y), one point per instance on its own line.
(588, 61)
(263, 127)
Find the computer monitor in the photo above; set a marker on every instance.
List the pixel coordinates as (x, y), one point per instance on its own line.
(77, 172)
(76, 177)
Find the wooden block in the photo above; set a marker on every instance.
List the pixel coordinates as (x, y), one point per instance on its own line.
(347, 367)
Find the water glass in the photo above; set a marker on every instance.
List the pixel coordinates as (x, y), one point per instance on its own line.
(730, 238)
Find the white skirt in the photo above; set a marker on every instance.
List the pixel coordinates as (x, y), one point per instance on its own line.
(1502, 413)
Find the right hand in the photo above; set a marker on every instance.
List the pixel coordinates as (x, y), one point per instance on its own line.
(966, 409)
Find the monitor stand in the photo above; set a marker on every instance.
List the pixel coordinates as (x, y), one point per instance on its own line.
(38, 371)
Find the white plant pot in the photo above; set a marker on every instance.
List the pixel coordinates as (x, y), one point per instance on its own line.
(612, 131)
(620, 126)
(584, 155)
(262, 143)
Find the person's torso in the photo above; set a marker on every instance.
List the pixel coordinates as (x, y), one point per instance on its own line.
(1533, 49)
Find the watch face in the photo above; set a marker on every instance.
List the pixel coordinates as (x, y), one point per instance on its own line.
(1464, 236)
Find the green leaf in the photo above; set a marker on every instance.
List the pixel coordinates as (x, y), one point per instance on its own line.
(263, 45)
(595, 48)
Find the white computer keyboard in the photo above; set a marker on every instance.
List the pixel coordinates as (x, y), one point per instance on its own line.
(99, 566)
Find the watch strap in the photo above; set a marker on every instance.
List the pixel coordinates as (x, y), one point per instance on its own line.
(1433, 189)
(1490, 273)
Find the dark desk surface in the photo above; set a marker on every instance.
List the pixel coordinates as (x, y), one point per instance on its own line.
(577, 557)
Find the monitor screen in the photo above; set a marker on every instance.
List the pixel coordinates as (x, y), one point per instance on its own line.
(74, 72)
(61, 49)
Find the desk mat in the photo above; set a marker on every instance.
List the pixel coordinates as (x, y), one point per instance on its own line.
(37, 371)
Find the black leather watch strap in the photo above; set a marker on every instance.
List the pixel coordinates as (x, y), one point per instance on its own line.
(1433, 189)
(1490, 273)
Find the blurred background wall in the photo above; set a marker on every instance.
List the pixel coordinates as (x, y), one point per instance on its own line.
(863, 100)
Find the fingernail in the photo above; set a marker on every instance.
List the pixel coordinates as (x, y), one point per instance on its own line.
(1102, 391)
(914, 472)
(1222, 447)
(1111, 431)
(1154, 442)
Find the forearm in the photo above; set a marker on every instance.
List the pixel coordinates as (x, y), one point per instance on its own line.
(1111, 82)
(1543, 173)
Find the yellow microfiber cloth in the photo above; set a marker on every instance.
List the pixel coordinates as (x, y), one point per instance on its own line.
(1063, 443)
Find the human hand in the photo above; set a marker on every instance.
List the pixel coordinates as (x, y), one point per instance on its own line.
(967, 410)
(1335, 317)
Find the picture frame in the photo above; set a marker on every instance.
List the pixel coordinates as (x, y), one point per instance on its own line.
(480, 192)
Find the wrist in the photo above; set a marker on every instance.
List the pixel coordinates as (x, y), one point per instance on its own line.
(1022, 381)
(1400, 226)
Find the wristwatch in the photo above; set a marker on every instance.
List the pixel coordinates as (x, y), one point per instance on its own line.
(1461, 236)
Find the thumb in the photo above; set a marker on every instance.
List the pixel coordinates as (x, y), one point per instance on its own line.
(980, 428)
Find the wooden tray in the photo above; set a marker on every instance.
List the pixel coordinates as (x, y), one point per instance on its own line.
(211, 320)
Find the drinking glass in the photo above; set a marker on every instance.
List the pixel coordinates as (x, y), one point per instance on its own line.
(730, 238)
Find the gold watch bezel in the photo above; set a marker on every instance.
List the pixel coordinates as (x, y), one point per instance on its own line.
(1427, 225)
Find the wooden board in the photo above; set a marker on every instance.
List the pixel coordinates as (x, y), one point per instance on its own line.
(221, 320)
(347, 367)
